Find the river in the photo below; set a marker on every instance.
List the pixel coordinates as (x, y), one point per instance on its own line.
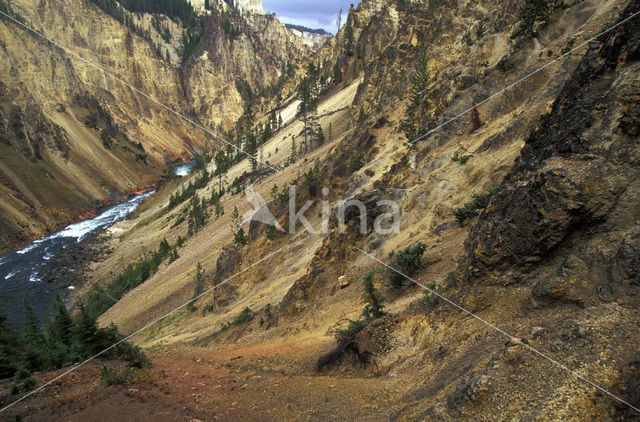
(21, 271)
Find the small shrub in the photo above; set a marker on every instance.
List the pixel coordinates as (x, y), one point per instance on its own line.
(480, 30)
(109, 377)
(569, 46)
(374, 307)
(407, 262)
(471, 209)
(467, 39)
(23, 381)
(461, 159)
(427, 300)
(244, 316)
(355, 163)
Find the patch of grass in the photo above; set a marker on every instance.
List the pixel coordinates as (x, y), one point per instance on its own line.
(157, 328)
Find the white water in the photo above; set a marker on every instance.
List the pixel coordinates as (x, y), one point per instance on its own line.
(23, 269)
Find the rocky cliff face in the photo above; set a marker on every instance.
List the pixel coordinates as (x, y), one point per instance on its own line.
(69, 129)
(232, 68)
(71, 136)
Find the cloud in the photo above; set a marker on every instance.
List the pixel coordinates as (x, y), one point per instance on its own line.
(310, 13)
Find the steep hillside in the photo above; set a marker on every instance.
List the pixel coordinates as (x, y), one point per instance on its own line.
(74, 138)
(242, 59)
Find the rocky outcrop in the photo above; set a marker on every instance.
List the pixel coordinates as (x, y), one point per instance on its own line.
(570, 194)
(235, 68)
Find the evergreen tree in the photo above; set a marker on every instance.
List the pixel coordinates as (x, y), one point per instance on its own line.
(406, 262)
(239, 238)
(9, 349)
(337, 73)
(85, 333)
(417, 96)
(292, 157)
(59, 332)
(198, 214)
(348, 35)
(374, 308)
(307, 107)
(33, 341)
(532, 12)
(251, 148)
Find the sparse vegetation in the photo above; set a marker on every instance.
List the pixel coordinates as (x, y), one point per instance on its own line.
(532, 12)
(472, 208)
(459, 158)
(405, 263)
(100, 299)
(427, 299)
(374, 304)
(346, 336)
(481, 30)
(417, 109)
(239, 238)
(355, 163)
(245, 315)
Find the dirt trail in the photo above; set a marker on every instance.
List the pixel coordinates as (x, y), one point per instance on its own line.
(188, 385)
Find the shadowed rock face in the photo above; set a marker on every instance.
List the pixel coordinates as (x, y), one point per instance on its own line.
(576, 179)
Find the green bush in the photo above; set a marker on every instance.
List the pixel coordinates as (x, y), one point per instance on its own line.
(244, 316)
(472, 209)
(109, 377)
(23, 381)
(355, 163)
(462, 159)
(427, 300)
(406, 261)
(374, 307)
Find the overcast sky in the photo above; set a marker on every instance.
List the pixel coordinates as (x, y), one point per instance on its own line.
(310, 13)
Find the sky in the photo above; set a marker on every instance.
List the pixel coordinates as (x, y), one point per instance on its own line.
(310, 13)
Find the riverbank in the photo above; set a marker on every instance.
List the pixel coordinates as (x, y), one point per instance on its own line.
(57, 263)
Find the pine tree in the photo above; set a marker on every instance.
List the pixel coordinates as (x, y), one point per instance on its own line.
(417, 105)
(337, 73)
(239, 238)
(292, 157)
(533, 11)
(60, 329)
(348, 35)
(374, 308)
(308, 105)
(9, 349)
(251, 148)
(33, 341)
(85, 333)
